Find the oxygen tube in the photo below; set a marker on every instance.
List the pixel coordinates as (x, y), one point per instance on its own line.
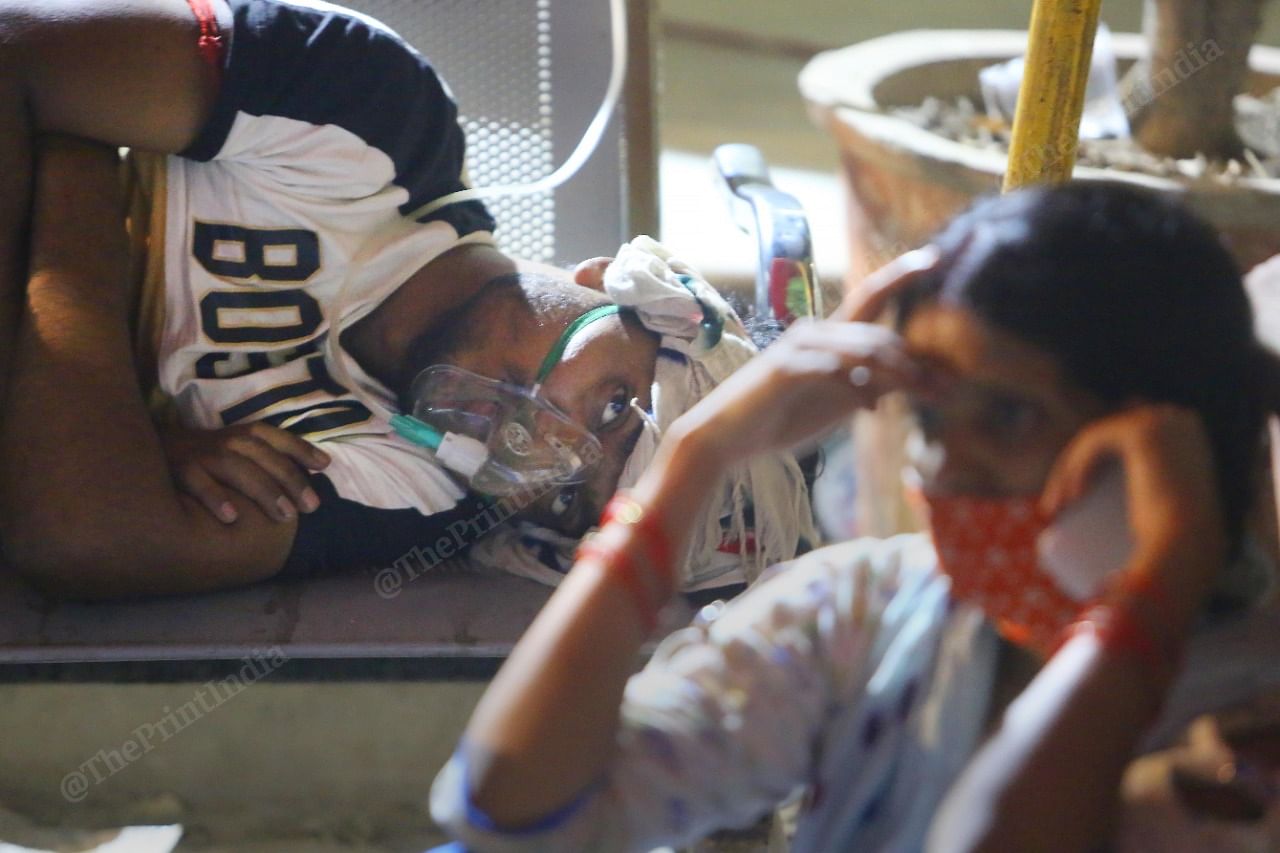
(461, 454)
(511, 444)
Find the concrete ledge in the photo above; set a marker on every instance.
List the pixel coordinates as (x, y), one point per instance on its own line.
(446, 614)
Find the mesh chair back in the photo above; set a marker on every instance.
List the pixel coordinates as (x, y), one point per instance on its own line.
(528, 76)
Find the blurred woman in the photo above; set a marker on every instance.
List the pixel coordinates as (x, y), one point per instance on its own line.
(1085, 352)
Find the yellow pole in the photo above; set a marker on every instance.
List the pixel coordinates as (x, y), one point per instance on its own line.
(1046, 125)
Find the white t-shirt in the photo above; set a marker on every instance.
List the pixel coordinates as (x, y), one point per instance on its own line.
(328, 132)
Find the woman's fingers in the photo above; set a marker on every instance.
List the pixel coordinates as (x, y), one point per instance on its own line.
(1075, 466)
(1173, 500)
(869, 300)
(817, 373)
(871, 358)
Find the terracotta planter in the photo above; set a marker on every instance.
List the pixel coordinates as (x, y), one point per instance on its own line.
(906, 181)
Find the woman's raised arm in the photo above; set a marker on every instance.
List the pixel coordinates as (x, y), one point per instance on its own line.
(546, 728)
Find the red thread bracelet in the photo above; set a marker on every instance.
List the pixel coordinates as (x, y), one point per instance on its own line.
(624, 509)
(210, 41)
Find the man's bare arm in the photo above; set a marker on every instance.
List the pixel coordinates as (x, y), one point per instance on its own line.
(125, 72)
(87, 503)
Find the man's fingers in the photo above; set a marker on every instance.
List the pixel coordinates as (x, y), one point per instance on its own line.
(296, 448)
(197, 482)
(290, 479)
(247, 477)
(590, 273)
(868, 301)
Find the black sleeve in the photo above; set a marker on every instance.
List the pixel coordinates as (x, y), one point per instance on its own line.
(342, 535)
(328, 66)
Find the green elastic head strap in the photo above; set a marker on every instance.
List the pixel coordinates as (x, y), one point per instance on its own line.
(557, 352)
(712, 323)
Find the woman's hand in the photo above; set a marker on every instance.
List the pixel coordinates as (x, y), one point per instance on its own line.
(1174, 509)
(868, 300)
(807, 381)
(265, 464)
(816, 374)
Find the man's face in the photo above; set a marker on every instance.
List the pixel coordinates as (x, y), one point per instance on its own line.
(605, 366)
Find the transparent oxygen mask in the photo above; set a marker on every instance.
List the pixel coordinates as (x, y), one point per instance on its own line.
(502, 438)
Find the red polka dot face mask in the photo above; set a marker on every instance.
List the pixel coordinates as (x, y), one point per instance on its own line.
(1031, 575)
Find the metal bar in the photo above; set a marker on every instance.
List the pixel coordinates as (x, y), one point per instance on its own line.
(640, 122)
(1046, 125)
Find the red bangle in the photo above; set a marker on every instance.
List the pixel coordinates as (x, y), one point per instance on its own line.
(618, 565)
(624, 509)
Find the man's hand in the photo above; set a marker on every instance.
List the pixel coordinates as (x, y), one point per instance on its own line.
(590, 273)
(266, 464)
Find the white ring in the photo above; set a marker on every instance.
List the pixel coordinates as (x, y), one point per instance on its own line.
(860, 376)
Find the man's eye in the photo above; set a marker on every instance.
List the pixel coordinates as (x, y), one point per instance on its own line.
(616, 408)
(563, 500)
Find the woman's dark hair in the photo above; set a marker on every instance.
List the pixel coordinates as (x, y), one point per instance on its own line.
(1133, 295)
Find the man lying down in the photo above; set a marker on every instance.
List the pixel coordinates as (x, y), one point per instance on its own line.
(292, 307)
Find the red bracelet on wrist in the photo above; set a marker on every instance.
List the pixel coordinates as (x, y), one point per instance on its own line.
(624, 509)
(210, 43)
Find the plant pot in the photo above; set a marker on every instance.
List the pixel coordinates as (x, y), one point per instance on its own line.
(906, 181)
